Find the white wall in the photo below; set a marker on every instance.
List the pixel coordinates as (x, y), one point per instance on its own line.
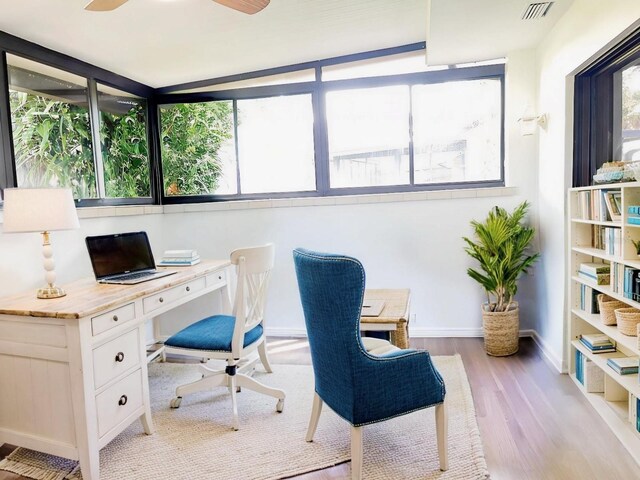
(588, 29)
(415, 244)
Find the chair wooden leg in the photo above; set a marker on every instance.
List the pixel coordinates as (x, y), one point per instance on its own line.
(262, 351)
(315, 416)
(234, 401)
(442, 435)
(357, 434)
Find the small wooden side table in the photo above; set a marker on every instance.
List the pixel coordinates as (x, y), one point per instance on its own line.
(394, 316)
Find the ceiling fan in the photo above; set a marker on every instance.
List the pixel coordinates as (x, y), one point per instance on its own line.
(245, 6)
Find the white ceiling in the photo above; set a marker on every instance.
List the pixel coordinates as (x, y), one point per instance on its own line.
(462, 31)
(167, 42)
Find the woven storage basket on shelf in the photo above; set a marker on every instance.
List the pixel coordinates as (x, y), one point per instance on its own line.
(628, 319)
(607, 308)
(501, 331)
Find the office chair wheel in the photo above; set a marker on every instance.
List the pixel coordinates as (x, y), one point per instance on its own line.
(175, 403)
(280, 405)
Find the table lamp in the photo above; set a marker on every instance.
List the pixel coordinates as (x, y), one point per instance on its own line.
(41, 210)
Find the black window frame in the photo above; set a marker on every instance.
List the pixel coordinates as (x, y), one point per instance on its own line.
(13, 45)
(10, 44)
(595, 99)
(318, 89)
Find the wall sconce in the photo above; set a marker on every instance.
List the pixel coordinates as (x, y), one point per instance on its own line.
(529, 121)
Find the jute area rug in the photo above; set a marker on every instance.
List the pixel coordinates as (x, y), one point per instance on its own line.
(196, 442)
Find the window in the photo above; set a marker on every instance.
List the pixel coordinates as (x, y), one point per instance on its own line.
(368, 132)
(198, 153)
(123, 143)
(456, 131)
(275, 144)
(607, 110)
(51, 129)
(630, 114)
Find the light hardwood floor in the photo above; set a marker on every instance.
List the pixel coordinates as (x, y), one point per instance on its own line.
(534, 423)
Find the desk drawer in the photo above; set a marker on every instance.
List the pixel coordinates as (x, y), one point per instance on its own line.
(115, 357)
(108, 320)
(159, 300)
(118, 402)
(217, 279)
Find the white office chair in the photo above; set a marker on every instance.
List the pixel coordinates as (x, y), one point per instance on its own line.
(232, 337)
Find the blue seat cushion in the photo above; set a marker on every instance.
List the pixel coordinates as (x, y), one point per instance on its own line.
(213, 334)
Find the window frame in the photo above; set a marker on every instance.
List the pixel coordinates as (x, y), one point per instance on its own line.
(318, 89)
(595, 108)
(12, 45)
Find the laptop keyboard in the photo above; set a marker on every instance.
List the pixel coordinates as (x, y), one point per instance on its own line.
(133, 276)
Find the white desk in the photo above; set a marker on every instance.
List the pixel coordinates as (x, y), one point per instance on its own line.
(73, 370)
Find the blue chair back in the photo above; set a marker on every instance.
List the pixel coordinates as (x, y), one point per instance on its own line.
(331, 290)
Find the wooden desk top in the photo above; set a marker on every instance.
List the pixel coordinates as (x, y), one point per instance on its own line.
(396, 305)
(87, 297)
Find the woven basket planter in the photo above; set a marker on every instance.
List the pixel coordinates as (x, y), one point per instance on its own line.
(608, 306)
(628, 320)
(501, 331)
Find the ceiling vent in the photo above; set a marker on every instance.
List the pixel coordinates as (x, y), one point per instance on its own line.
(536, 10)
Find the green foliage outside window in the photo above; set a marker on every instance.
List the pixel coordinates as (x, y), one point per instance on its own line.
(192, 135)
(125, 154)
(52, 144)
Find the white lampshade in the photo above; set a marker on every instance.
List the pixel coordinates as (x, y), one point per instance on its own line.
(39, 210)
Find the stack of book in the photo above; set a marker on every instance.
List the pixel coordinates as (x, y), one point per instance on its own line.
(597, 343)
(634, 214)
(179, 258)
(588, 374)
(624, 365)
(634, 409)
(596, 272)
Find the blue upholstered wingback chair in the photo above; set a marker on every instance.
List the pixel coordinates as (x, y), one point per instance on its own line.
(360, 387)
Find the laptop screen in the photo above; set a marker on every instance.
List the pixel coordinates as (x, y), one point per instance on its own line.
(120, 253)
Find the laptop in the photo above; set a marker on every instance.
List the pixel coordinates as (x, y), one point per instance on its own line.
(123, 258)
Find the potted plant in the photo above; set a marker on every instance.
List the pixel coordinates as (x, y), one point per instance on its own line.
(501, 247)
(636, 244)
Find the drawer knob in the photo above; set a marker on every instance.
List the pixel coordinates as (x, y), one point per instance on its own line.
(123, 400)
(119, 356)
(161, 299)
(219, 277)
(115, 318)
(188, 289)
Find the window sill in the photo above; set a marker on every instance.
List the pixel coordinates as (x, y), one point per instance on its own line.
(457, 194)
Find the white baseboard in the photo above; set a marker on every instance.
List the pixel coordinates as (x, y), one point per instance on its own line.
(551, 358)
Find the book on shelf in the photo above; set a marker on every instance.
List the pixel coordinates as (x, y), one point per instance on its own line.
(623, 365)
(633, 210)
(613, 207)
(633, 220)
(579, 366)
(597, 343)
(594, 268)
(600, 278)
(596, 339)
(589, 299)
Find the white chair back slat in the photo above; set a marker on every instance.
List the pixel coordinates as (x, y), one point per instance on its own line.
(254, 266)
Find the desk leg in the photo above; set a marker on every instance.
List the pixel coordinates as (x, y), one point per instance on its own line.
(226, 299)
(145, 418)
(83, 398)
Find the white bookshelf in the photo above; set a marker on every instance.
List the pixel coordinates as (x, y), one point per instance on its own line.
(612, 404)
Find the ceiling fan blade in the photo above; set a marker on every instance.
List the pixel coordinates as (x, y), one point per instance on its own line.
(104, 5)
(245, 6)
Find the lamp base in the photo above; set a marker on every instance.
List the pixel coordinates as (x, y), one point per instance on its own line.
(51, 292)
